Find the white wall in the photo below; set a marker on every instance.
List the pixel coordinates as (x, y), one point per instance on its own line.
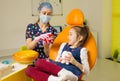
(16, 14)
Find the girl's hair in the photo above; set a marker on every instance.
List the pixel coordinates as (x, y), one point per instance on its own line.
(45, 4)
(81, 31)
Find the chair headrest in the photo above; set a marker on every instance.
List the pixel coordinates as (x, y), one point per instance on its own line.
(75, 17)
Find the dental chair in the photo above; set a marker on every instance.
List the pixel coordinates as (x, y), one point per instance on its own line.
(75, 18)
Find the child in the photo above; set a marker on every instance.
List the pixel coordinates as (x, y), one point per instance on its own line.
(49, 70)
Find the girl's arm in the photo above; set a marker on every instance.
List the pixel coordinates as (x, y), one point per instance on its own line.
(60, 51)
(84, 60)
(84, 66)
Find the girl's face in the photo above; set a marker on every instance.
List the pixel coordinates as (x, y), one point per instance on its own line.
(72, 38)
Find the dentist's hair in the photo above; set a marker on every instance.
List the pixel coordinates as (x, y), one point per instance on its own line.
(45, 4)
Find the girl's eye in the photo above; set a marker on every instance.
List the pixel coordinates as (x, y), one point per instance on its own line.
(70, 34)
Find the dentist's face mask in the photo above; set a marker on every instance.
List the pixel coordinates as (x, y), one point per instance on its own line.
(44, 18)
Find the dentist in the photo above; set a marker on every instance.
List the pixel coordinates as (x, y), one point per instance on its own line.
(38, 32)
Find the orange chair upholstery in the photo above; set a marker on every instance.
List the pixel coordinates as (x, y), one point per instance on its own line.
(75, 18)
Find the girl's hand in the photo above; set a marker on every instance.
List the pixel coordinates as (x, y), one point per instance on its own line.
(73, 61)
(69, 58)
(59, 59)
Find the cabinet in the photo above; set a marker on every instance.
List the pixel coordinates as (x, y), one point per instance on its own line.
(17, 75)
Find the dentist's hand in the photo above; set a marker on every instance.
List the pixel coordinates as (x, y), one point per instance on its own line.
(47, 38)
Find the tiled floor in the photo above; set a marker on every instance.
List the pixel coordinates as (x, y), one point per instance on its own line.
(104, 70)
